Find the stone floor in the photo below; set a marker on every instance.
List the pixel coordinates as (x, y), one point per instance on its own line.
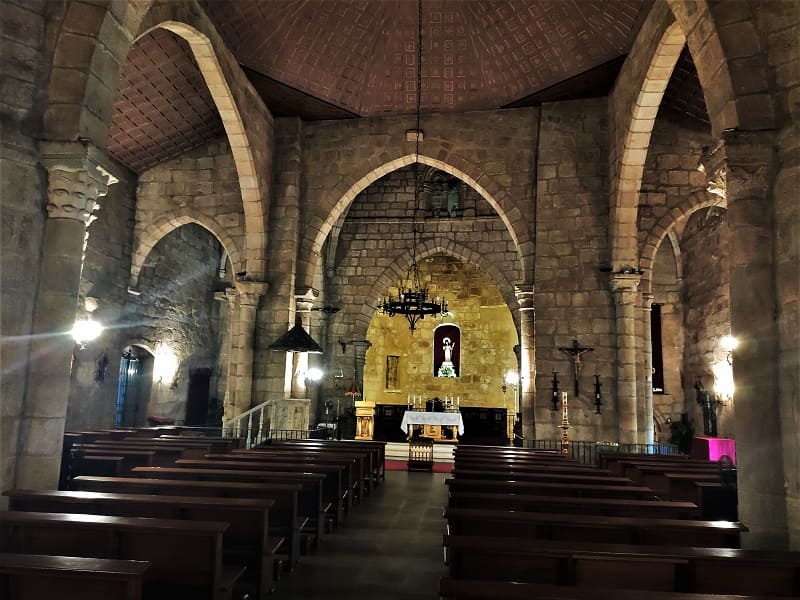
(389, 549)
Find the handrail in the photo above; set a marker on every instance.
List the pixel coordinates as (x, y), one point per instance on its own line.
(252, 426)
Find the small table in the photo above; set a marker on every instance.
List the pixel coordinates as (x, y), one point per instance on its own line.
(711, 448)
(432, 423)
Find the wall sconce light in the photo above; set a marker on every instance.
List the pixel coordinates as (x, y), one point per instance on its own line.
(314, 374)
(729, 344)
(165, 366)
(85, 330)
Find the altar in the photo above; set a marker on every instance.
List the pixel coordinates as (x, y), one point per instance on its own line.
(434, 425)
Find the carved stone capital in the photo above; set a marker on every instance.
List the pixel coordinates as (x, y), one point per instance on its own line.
(250, 292)
(749, 162)
(75, 180)
(624, 286)
(525, 295)
(647, 302)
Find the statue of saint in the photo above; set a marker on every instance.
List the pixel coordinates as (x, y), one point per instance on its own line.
(447, 369)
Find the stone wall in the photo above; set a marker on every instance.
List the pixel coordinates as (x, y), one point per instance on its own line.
(105, 278)
(706, 263)
(176, 309)
(572, 295)
(22, 201)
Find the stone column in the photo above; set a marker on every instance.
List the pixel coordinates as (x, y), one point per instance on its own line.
(240, 372)
(75, 182)
(226, 358)
(527, 359)
(646, 422)
(749, 161)
(624, 285)
(303, 305)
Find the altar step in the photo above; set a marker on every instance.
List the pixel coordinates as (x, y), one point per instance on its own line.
(442, 453)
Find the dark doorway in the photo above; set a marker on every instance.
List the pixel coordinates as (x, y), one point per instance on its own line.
(658, 356)
(198, 397)
(128, 390)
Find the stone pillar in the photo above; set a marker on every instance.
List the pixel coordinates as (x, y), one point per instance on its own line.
(240, 372)
(624, 285)
(646, 422)
(527, 359)
(749, 161)
(226, 354)
(303, 305)
(75, 182)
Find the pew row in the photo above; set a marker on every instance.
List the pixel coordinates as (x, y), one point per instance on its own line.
(36, 577)
(283, 514)
(247, 541)
(623, 566)
(185, 557)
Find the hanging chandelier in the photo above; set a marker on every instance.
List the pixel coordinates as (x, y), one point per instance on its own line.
(413, 301)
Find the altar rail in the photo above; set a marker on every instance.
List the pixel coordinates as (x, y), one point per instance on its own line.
(586, 452)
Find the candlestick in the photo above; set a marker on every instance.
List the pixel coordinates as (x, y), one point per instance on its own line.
(555, 390)
(597, 395)
(565, 414)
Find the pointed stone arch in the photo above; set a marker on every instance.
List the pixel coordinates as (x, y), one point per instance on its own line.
(634, 105)
(489, 189)
(169, 222)
(399, 268)
(662, 228)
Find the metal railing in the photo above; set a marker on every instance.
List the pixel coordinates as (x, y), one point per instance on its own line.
(587, 451)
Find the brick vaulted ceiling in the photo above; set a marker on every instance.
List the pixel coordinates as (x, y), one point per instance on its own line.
(332, 59)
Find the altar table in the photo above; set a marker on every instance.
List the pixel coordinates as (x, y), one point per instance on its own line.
(432, 420)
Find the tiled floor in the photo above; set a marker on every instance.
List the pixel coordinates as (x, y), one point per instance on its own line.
(389, 549)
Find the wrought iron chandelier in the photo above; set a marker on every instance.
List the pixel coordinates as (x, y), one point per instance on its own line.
(414, 301)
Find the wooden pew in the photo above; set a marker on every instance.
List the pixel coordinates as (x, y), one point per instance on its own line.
(334, 492)
(605, 460)
(352, 465)
(484, 464)
(247, 540)
(376, 451)
(309, 500)
(131, 458)
(681, 486)
(657, 568)
(575, 505)
(38, 577)
(473, 589)
(163, 456)
(547, 477)
(359, 469)
(555, 489)
(103, 465)
(283, 515)
(593, 528)
(185, 557)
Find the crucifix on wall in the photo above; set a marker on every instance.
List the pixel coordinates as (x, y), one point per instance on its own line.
(574, 352)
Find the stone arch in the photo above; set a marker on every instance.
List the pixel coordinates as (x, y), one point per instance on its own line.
(211, 67)
(84, 111)
(398, 269)
(80, 97)
(727, 51)
(659, 231)
(636, 117)
(489, 189)
(169, 222)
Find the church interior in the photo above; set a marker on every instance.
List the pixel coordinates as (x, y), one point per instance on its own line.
(544, 218)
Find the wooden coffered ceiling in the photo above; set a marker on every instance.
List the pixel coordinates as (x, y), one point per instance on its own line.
(335, 59)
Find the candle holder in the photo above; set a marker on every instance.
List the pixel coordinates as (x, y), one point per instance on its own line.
(564, 424)
(555, 391)
(597, 394)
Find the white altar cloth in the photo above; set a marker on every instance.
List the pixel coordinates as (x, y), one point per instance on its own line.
(412, 417)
